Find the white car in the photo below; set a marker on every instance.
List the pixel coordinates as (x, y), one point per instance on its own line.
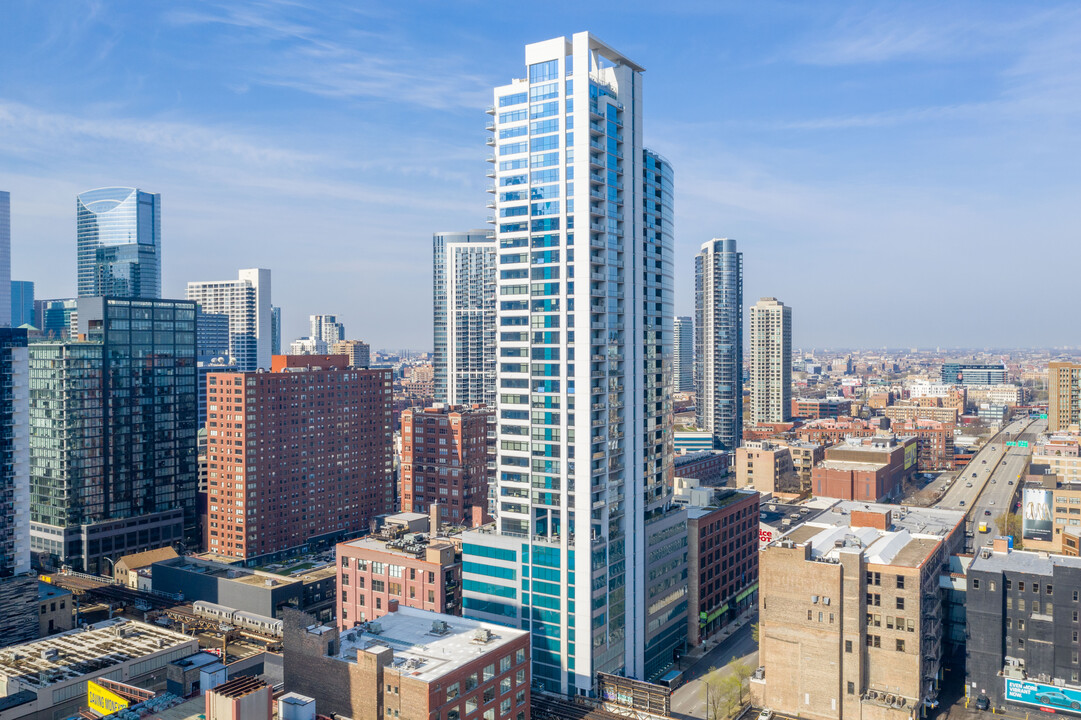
(766, 714)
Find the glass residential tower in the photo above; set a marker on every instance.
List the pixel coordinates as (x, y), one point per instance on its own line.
(583, 372)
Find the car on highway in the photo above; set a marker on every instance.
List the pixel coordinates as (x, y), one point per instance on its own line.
(766, 714)
(1010, 482)
(962, 503)
(973, 474)
(983, 462)
(991, 502)
(968, 484)
(986, 512)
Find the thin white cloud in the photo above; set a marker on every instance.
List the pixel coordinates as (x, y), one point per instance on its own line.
(355, 64)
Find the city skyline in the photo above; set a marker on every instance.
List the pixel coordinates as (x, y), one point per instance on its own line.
(916, 145)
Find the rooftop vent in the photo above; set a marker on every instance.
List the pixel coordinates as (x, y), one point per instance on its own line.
(375, 628)
(439, 627)
(482, 635)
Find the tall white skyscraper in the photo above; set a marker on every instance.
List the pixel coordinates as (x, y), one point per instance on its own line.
(5, 259)
(683, 355)
(718, 336)
(246, 301)
(464, 316)
(325, 331)
(584, 358)
(770, 324)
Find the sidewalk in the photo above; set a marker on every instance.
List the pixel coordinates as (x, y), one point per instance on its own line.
(695, 654)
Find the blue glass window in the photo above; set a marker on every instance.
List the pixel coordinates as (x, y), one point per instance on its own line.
(544, 71)
(540, 127)
(545, 208)
(512, 148)
(543, 92)
(543, 109)
(512, 180)
(540, 177)
(544, 159)
(513, 164)
(513, 116)
(548, 142)
(513, 211)
(515, 99)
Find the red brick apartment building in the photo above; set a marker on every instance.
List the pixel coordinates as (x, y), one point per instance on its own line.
(444, 460)
(722, 561)
(301, 453)
(830, 431)
(402, 564)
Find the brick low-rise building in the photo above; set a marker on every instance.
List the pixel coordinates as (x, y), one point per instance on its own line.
(397, 565)
(869, 469)
(830, 431)
(934, 441)
(816, 408)
(1022, 613)
(299, 455)
(444, 460)
(722, 561)
(767, 467)
(851, 613)
(912, 410)
(410, 664)
(710, 467)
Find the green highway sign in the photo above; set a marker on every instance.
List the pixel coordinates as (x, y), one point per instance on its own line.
(1011, 443)
(1043, 416)
(1023, 443)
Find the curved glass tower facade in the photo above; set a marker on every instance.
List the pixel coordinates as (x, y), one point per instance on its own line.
(119, 243)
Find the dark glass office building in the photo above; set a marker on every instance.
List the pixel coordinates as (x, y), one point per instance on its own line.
(113, 426)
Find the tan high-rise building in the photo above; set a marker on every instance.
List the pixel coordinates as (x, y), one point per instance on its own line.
(770, 341)
(360, 354)
(1063, 403)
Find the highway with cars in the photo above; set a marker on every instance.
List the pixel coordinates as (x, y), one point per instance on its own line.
(986, 488)
(1003, 490)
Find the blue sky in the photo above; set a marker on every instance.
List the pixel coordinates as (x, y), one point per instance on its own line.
(900, 173)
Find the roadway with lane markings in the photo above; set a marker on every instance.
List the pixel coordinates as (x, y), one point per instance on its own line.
(987, 486)
(1000, 492)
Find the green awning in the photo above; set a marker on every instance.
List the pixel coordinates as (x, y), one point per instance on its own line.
(748, 591)
(713, 615)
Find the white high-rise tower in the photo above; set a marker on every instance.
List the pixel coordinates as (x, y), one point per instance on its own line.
(583, 499)
(770, 325)
(246, 301)
(463, 291)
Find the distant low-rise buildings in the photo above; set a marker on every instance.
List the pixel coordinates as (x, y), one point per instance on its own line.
(829, 431)
(910, 410)
(815, 408)
(934, 442)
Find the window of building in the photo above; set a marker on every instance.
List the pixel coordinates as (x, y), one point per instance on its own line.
(900, 603)
(900, 645)
(489, 672)
(900, 582)
(851, 688)
(848, 646)
(1020, 586)
(975, 583)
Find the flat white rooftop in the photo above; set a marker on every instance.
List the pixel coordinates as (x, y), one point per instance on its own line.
(420, 651)
(71, 654)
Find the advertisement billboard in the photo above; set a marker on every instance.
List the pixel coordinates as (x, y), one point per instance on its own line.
(1046, 697)
(102, 701)
(1036, 520)
(910, 455)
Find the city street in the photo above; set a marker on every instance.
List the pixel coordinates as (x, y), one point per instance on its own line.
(689, 700)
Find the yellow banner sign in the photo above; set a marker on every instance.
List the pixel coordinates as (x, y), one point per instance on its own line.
(103, 702)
